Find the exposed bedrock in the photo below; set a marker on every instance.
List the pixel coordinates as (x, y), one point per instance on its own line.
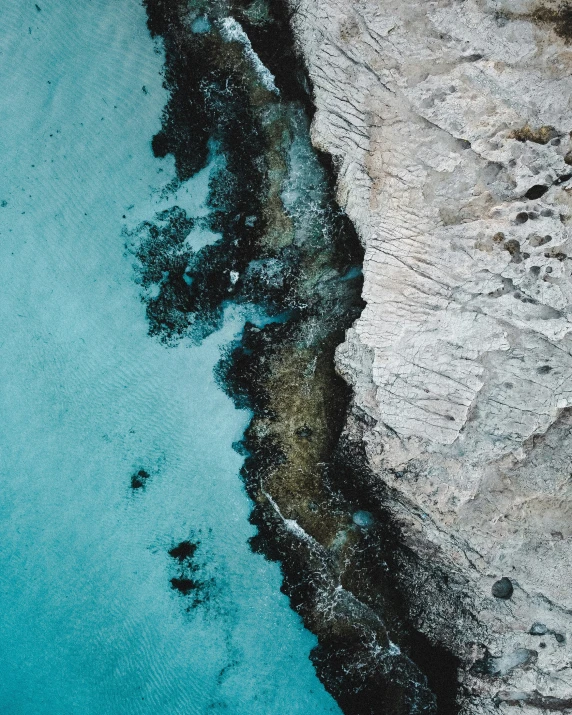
(449, 123)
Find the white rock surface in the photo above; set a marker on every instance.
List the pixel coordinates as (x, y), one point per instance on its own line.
(462, 356)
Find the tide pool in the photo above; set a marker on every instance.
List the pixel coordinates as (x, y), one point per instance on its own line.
(89, 621)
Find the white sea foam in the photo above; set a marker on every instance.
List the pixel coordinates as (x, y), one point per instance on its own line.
(232, 31)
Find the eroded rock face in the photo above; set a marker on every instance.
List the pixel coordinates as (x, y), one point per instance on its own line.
(450, 125)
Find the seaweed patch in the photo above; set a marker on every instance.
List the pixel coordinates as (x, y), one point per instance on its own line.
(139, 479)
(188, 581)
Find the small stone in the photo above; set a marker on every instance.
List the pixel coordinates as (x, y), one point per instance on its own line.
(502, 588)
(559, 637)
(304, 432)
(538, 629)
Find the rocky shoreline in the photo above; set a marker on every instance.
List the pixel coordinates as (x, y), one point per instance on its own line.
(422, 517)
(449, 124)
(236, 83)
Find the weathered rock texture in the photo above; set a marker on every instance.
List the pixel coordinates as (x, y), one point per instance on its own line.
(450, 126)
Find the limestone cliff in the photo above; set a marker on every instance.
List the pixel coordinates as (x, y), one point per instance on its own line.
(449, 123)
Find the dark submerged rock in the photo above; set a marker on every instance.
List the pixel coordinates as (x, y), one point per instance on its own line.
(184, 585)
(139, 480)
(190, 581)
(183, 551)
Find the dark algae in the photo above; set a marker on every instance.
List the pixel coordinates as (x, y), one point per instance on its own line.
(183, 551)
(184, 585)
(139, 480)
(188, 582)
(287, 248)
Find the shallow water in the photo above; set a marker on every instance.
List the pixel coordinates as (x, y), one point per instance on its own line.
(89, 622)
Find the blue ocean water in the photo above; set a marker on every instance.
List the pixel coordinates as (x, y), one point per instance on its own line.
(89, 623)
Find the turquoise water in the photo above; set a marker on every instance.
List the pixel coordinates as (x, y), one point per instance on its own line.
(89, 623)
